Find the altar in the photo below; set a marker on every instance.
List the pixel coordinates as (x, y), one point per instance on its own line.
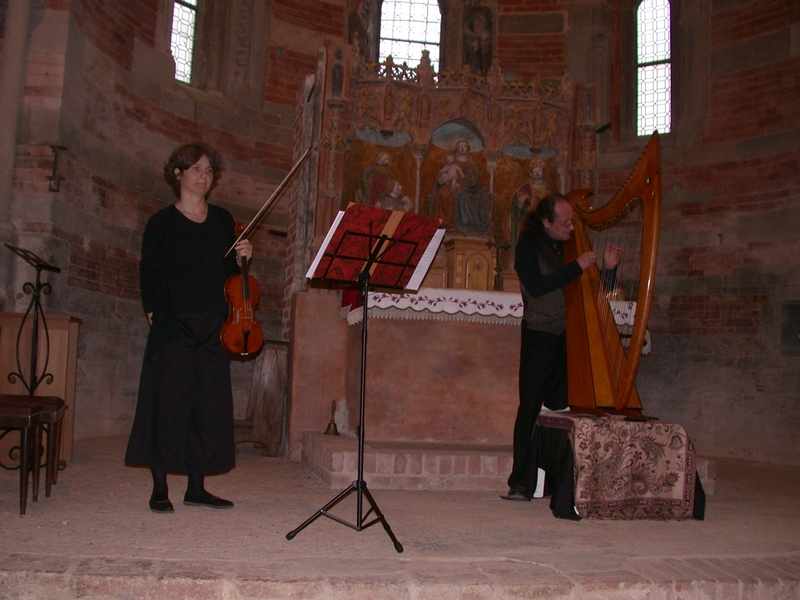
(442, 376)
(442, 365)
(475, 306)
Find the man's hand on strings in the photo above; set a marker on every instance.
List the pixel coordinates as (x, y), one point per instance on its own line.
(587, 259)
(612, 256)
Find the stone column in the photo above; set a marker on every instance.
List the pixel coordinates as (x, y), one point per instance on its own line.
(419, 154)
(12, 66)
(492, 157)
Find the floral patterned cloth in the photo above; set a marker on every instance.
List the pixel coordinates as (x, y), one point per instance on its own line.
(629, 469)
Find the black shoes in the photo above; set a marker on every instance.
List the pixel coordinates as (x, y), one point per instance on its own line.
(205, 499)
(161, 506)
(573, 516)
(208, 500)
(517, 495)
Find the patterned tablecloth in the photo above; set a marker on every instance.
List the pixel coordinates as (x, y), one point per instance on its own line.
(475, 306)
(629, 469)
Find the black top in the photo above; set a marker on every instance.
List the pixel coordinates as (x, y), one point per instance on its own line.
(182, 269)
(526, 263)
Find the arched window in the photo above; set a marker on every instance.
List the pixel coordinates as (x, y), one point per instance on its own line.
(407, 28)
(654, 67)
(184, 26)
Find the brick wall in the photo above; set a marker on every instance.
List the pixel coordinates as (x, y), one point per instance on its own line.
(300, 28)
(729, 254)
(754, 102)
(713, 314)
(528, 56)
(119, 122)
(98, 265)
(286, 73)
(313, 15)
(754, 72)
(525, 6)
(735, 22)
(113, 26)
(532, 38)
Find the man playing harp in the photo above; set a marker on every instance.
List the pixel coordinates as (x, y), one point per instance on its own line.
(543, 354)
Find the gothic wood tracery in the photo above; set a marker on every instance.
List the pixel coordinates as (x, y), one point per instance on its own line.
(398, 136)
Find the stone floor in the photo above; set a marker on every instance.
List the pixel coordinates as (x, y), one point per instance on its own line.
(95, 538)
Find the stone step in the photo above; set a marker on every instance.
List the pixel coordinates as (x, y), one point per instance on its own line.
(424, 465)
(408, 465)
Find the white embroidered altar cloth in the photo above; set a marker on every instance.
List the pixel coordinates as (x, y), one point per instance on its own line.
(450, 304)
(474, 306)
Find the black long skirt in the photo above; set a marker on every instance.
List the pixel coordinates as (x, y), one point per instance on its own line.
(184, 414)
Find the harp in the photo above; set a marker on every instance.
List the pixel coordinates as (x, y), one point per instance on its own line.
(601, 362)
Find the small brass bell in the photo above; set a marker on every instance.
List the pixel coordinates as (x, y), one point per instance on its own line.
(331, 430)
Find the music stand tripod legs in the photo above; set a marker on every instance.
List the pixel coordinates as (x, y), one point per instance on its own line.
(359, 486)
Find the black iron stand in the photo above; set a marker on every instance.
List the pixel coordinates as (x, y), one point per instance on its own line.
(36, 313)
(359, 486)
(35, 310)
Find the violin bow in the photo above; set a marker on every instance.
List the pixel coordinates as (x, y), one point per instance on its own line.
(274, 195)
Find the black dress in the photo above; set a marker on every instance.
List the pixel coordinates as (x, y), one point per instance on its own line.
(184, 413)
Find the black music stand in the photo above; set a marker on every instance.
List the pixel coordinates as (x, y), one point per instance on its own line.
(35, 309)
(397, 251)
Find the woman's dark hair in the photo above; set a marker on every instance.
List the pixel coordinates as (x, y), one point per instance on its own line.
(546, 209)
(186, 156)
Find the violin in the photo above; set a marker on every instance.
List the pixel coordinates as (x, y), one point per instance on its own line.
(241, 334)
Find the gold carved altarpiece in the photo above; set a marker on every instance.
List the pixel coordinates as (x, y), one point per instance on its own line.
(389, 135)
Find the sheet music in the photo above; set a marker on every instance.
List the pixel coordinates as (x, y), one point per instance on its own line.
(322, 248)
(406, 247)
(425, 261)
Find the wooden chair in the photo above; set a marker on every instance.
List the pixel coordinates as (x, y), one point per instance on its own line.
(53, 425)
(25, 414)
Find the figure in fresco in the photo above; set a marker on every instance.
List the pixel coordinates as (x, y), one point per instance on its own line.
(527, 197)
(442, 200)
(395, 199)
(374, 182)
(473, 204)
(478, 41)
(450, 174)
(359, 28)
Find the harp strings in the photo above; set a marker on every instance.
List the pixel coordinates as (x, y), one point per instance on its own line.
(618, 287)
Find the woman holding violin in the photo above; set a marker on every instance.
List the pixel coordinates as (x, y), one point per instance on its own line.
(184, 413)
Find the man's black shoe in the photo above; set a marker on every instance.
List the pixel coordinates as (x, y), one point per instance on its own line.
(161, 506)
(570, 517)
(516, 495)
(208, 500)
